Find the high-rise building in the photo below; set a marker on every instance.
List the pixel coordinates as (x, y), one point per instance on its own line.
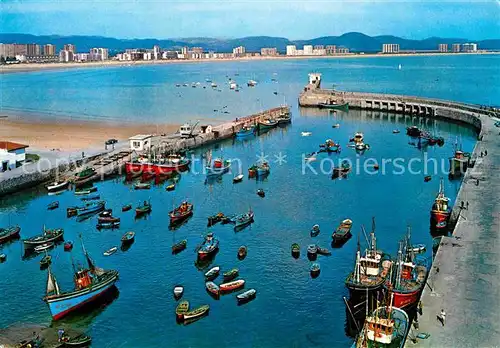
(268, 51)
(156, 52)
(70, 47)
(239, 51)
(291, 50)
(49, 50)
(443, 47)
(66, 56)
(7, 50)
(469, 47)
(308, 50)
(98, 54)
(319, 47)
(32, 50)
(390, 48)
(198, 50)
(455, 48)
(331, 49)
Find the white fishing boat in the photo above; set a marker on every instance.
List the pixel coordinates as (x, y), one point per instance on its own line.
(110, 251)
(178, 291)
(45, 246)
(238, 178)
(57, 186)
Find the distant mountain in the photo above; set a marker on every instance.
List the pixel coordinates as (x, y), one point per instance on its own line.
(356, 42)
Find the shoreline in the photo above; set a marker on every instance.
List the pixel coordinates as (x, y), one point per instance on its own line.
(32, 67)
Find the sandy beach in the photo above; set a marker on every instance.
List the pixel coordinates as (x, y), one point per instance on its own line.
(72, 135)
(28, 67)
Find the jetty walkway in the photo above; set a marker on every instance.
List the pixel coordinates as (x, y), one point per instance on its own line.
(464, 280)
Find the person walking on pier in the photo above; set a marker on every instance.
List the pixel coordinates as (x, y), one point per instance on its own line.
(467, 205)
(442, 317)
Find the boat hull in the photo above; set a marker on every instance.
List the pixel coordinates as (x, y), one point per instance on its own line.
(439, 219)
(243, 133)
(405, 299)
(344, 106)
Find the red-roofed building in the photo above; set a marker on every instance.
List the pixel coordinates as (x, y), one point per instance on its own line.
(12, 155)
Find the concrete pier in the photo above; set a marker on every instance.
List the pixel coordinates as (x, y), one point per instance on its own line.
(464, 278)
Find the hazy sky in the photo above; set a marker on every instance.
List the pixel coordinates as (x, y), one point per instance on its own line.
(229, 18)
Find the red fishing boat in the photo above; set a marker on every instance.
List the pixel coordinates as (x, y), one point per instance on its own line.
(181, 212)
(440, 211)
(161, 166)
(231, 286)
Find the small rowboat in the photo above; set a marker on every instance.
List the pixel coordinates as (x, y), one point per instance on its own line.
(45, 261)
(242, 252)
(85, 191)
(110, 251)
(315, 231)
(197, 313)
(395, 131)
(181, 213)
(178, 247)
(42, 247)
(128, 237)
(170, 187)
(323, 251)
(230, 275)
(212, 288)
(343, 232)
(178, 291)
(71, 211)
(53, 205)
(336, 125)
(141, 186)
(57, 186)
(182, 307)
(246, 296)
(143, 209)
(295, 250)
(417, 248)
(212, 273)
(261, 193)
(315, 270)
(127, 207)
(9, 233)
(115, 224)
(312, 249)
(305, 134)
(238, 178)
(68, 245)
(231, 286)
(79, 341)
(243, 220)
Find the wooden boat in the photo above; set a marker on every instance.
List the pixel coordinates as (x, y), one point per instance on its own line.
(91, 198)
(181, 212)
(260, 169)
(440, 212)
(330, 146)
(182, 308)
(196, 313)
(208, 247)
(178, 247)
(315, 230)
(85, 174)
(343, 232)
(72, 211)
(57, 186)
(45, 261)
(142, 186)
(231, 286)
(334, 106)
(3, 257)
(145, 208)
(243, 220)
(343, 170)
(110, 251)
(68, 246)
(79, 341)
(218, 167)
(212, 220)
(103, 225)
(91, 208)
(245, 131)
(357, 138)
(128, 237)
(85, 190)
(284, 119)
(238, 178)
(230, 275)
(170, 187)
(9, 233)
(43, 247)
(53, 205)
(178, 291)
(48, 236)
(261, 193)
(315, 269)
(295, 250)
(126, 207)
(246, 296)
(312, 249)
(323, 251)
(212, 273)
(267, 124)
(242, 252)
(212, 288)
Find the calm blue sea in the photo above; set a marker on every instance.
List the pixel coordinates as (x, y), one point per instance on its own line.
(291, 309)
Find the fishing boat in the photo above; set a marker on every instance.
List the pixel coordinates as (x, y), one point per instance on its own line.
(142, 209)
(182, 308)
(53, 205)
(284, 119)
(85, 174)
(343, 232)
(142, 186)
(459, 163)
(57, 186)
(44, 247)
(212, 288)
(128, 237)
(178, 291)
(243, 220)
(361, 146)
(312, 249)
(114, 224)
(85, 190)
(230, 275)
(110, 251)
(315, 230)
(242, 252)
(218, 167)
(387, 326)
(212, 220)
(180, 213)
(344, 106)
(91, 208)
(79, 341)
(126, 207)
(208, 247)
(160, 166)
(261, 193)
(231, 286)
(170, 187)
(336, 125)
(267, 124)
(245, 131)
(238, 178)
(212, 273)
(68, 246)
(91, 198)
(45, 261)
(331, 146)
(196, 313)
(315, 270)
(440, 212)
(246, 296)
(180, 246)
(357, 138)
(48, 236)
(322, 251)
(72, 211)
(413, 131)
(108, 219)
(9, 233)
(295, 250)
(370, 270)
(341, 171)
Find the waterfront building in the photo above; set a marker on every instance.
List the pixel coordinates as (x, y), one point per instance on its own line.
(319, 51)
(70, 47)
(239, 51)
(390, 48)
(12, 155)
(156, 52)
(455, 48)
(197, 50)
(32, 50)
(66, 56)
(81, 57)
(319, 47)
(12, 50)
(98, 54)
(49, 50)
(331, 49)
(291, 50)
(184, 51)
(140, 142)
(268, 51)
(169, 55)
(344, 50)
(443, 47)
(308, 50)
(469, 47)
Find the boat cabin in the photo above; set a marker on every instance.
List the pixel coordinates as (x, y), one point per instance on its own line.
(140, 142)
(380, 329)
(82, 279)
(407, 270)
(370, 265)
(186, 130)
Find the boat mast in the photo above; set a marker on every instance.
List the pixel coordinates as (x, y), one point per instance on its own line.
(357, 268)
(373, 238)
(400, 263)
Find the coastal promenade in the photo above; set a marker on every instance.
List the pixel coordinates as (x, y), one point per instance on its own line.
(464, 278)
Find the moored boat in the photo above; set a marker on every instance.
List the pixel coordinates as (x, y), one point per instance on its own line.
(128, 237)
(170, 187)
(459, 163)
(335, 105)
(242, 252)
(323, 251)
(9, 233)
(103, 225)
(209, 246)
(212, 288)
(110, 251)
(44, 247)
(178, 247)
(243, 220)
(315, 270)
(343, 232)
(53, 205)
(142, 209)
(440, 212)
(3, 257)
(267, 124)
(212, 220)
(85, 174)
(231, 286)
(47, 236)
(45, 261)
(245, 131)
(196, 313)
(142, 186)
(246, 296)
(178, 291)
(91, 198)
(312, 249)
(238, 178)
(331, 146)
(78, 341)
(341, 171)
(57, 186)
(91, 208)
(181, 309)
(212, 273)
(68, 246)
(126, 207)
(413, 131)
(218, 167)
(231, 274)
(180, 213)
(295, 250)
(261, 193)
(417, 248)
(315, 230)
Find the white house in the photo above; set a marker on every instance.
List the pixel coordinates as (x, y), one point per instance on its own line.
(140, 142)
(11, 155)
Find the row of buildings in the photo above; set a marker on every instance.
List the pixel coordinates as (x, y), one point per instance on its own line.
(49, 53)
(455, 48)
(318, 50)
